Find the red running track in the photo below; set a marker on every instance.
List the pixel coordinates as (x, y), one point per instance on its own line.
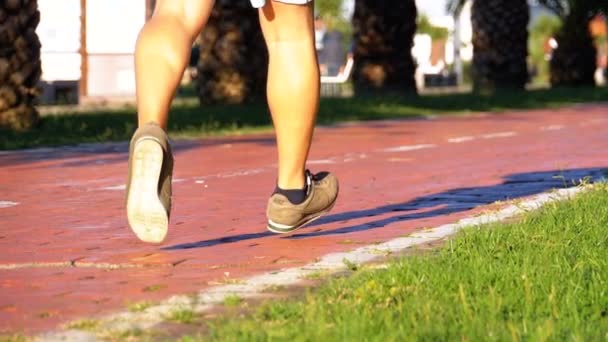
(67, 253)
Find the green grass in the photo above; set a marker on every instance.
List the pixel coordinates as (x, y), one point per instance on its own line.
(350, 265)
(13, 338)
(194, 121)
(316, 275)
(544, 277)
(84, 324)
(139, 307)
(182, 316)
(129, 335)
(233, 300)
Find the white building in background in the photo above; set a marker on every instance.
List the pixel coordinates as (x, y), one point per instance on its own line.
(59, 33)
(98, 64)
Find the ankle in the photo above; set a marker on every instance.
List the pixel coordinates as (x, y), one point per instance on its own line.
(295, 196)
(157, 123)
(296, 190)
(292, 184)
(296, 182)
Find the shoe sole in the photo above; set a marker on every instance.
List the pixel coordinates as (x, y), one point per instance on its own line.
(146, 214)
(307, 220)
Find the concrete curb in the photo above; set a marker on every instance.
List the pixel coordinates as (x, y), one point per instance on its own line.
(253, 287)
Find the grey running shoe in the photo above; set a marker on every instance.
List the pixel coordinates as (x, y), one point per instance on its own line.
(148, 195)
(285, 217)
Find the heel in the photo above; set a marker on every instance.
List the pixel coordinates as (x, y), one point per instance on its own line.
(146, 214)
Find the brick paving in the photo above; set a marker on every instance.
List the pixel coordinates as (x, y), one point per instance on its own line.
(67, 252)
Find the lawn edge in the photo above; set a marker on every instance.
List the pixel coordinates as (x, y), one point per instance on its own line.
(255, 287)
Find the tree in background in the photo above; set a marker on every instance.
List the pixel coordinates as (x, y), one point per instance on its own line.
(545, 28)
(233, 60)
(574, 61)
(20, 68)
(500, 43)
(383, 40)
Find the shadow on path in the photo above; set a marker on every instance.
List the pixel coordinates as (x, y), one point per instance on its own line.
(515, 186)
(110, 153)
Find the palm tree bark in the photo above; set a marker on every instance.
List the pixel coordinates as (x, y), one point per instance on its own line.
(500, 44)
(573, 62)
(383, 40)
(233, 59)
(20, 67)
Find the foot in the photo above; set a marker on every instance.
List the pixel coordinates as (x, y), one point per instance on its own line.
(149, 186)
(285, 217)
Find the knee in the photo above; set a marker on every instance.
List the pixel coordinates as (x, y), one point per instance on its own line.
(286, 23)
(190, 21)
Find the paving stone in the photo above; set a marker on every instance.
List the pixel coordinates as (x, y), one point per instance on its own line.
(70, 207)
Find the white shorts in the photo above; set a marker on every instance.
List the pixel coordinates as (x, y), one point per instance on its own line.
(261, 3)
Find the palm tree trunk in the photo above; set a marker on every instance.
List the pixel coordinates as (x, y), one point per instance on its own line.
(383, 40)
(233, 61)
(20, 68)
(574, 61)
(500, 44)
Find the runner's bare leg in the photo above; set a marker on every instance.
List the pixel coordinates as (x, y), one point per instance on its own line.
(162, 53)
(293, 84)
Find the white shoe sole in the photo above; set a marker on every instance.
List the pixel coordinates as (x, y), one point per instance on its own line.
(146, 214)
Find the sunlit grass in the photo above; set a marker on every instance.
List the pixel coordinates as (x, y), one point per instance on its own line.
(189, 120)
(84, 324)
(183, 316)
(544, 277)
